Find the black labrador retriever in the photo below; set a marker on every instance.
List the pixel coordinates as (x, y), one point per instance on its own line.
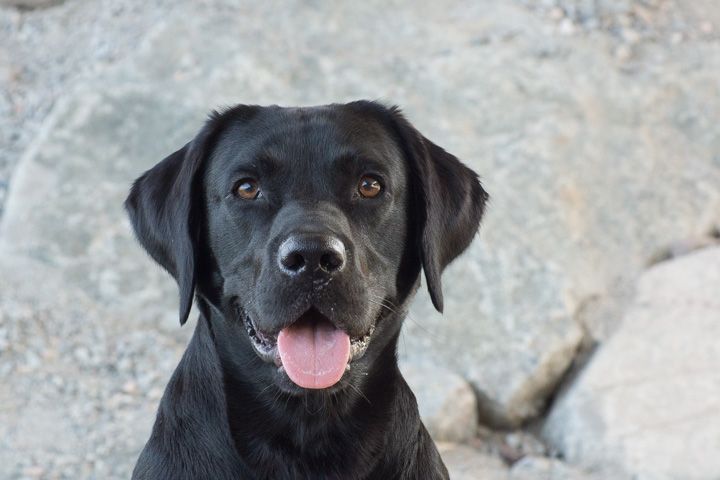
(301, 233)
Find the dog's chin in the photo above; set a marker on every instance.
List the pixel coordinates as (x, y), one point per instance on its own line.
(265, 346)
(283, 383)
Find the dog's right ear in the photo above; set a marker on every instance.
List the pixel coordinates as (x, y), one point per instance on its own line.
(448, 202)
(161, 209)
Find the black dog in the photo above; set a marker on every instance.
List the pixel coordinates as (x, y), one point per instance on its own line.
(301, 233)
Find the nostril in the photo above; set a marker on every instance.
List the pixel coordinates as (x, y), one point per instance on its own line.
(293, 261)
(290, 257)
(331, 261)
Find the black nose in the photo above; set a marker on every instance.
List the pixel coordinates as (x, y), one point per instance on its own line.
(311, 253)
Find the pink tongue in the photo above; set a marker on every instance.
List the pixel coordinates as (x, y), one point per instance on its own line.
(314, 354)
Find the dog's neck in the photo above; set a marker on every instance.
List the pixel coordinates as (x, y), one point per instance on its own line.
(268, 427)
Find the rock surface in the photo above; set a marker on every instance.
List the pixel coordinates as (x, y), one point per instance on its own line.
(648, 402)
(29, 3)
(540, 468)
(589, 176)
(467, 463)
(41, 58)
(447, 403)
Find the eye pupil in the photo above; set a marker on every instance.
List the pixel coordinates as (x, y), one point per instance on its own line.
(247, 189)
(369, 187)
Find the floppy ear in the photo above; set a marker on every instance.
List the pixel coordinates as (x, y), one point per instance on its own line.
(162, 213)
(448, 200)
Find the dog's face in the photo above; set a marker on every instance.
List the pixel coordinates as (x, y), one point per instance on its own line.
(312, 213)
(306, 229)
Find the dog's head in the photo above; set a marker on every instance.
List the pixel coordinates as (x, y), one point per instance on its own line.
(304, 230)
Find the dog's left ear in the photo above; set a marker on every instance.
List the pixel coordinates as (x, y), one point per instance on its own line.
(162, 213)
(448, 202)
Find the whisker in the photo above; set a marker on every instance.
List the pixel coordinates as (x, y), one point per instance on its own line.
(263, 390)
(378, 300)
(275, 399)
(287, 401)
(359, 392)
(382, 303)
(420, 326)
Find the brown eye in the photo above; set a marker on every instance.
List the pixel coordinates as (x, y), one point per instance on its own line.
(247, 189)
(369, 187)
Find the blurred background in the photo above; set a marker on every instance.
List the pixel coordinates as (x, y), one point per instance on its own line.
(581, 332)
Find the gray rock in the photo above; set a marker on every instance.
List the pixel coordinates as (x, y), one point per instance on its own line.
(446, 401)
(467, 463)
(519, 444)
(65, 206)
(570, 225)
(647, 402)
(29, 4)
(541, 468)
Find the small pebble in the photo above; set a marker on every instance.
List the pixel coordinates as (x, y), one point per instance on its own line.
(623, 53)
(557, 13)
(567, 27)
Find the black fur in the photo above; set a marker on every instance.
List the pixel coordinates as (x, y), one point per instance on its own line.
(226, 412)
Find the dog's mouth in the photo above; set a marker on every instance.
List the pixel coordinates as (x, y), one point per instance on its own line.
(312, 351)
